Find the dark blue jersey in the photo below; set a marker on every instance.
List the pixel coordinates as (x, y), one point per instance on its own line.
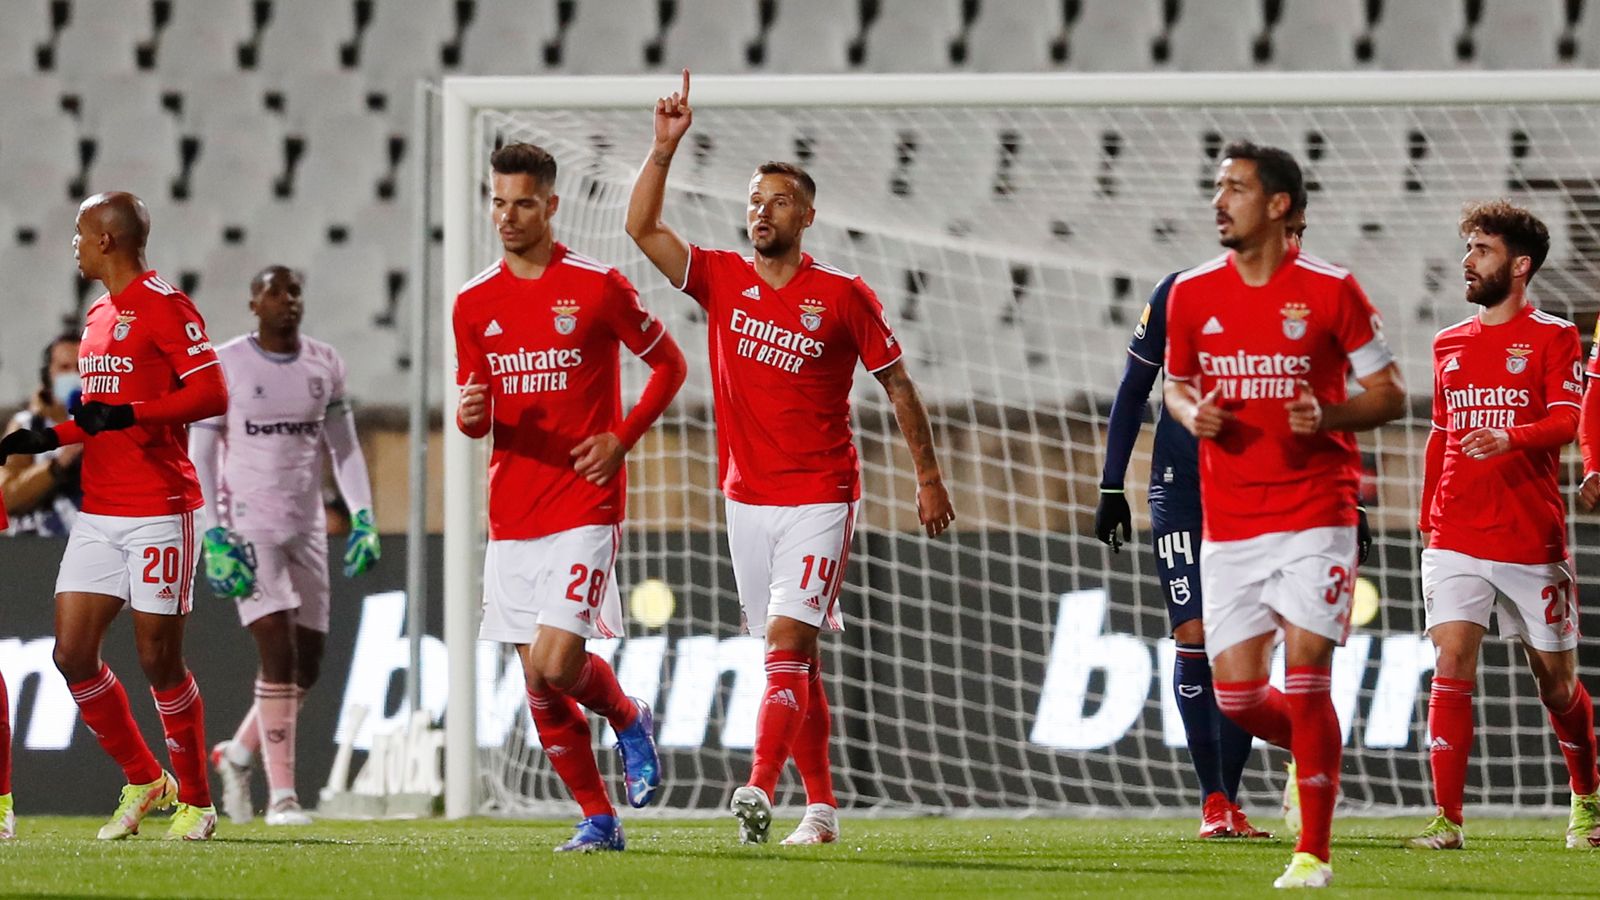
(1175, 460)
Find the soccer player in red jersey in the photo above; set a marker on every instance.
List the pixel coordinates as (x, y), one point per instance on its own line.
(1507, 389)
(537, 338)
(1260, 342)
(148, 370)
(786, 334)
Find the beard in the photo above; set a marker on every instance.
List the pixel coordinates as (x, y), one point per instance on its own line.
(773, 247)
(1491, 289)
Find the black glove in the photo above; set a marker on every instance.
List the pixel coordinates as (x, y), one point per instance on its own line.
(95, 417)
(1110, 515)
(1363, 535)
(28, 442)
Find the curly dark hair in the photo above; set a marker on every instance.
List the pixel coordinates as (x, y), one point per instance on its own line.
(1523, 233)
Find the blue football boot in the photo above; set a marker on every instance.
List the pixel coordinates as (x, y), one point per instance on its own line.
(595, 834)
(640, 763)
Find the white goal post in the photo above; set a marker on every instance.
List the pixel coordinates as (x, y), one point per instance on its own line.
(1013, 226)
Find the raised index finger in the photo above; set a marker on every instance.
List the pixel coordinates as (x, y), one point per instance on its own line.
(685, 95)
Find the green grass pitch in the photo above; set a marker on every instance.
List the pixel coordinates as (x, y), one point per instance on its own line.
(58, 857)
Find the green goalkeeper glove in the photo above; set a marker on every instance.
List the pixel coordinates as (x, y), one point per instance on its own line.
(361, 550)
(230, 563)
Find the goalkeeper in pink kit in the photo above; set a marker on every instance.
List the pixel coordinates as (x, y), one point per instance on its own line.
(260, 469)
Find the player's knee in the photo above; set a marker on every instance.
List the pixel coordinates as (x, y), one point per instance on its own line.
(162, 666)
(75, 663)
(1192, 632)
(1556, 688)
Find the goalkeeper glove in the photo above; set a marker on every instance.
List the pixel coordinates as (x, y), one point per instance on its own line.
(361, 550)
(28, 442)
(1363, 535)
(230, 563)
(95, 417)
(1113, 514)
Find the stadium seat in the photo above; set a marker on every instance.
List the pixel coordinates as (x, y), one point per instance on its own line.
(206, 98)
(391, 228)
(1015, 36)
(102, 39)
(1520, 34)
(182, 236)
(406, 40)
(138, 94)
(913, 35)
(204, 38)
(38, 159)
(609, 40)
(346, 288)
(812, 36)
(311, 95)
(508, 37)
(1318, 35)
(27, 28)
(712, 36)
(1115, 35)
(1216, 35)
(1418, 34)
(134, 136)
(288, 232)
(344, 159)
(26, 97)
(240, 157)
(305, 35)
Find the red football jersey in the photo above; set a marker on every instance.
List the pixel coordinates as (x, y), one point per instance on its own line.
(547, 349)
(1507, 508)
(1309, 322)
(782, 362)
(138, 346)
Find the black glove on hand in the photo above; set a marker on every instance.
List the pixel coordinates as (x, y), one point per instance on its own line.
(1363, 535)
(95, 417)
(1113, 514)
(28, 442)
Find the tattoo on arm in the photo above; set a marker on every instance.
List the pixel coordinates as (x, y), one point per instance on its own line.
(913, 419)
(661, 158)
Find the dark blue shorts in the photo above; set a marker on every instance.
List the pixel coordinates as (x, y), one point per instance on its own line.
(1178, 566)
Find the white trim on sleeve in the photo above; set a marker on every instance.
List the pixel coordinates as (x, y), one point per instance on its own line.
(898, 356)
(214, 362)
(1373, 356)
(686, 264)
(653, 343)
(1563, 403)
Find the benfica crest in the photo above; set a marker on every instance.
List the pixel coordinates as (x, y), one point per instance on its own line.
(1294, 320)
(123, 326)
(1517, 358)
(566, 316)
(811, 315)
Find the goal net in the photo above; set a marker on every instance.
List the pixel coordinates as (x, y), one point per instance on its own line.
(1013, 229)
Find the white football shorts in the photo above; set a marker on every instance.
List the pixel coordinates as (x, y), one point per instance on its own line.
(790, 561)
(1537, 603)
(1254, 586)
(291, 574)
(563, 580)
(147, 561)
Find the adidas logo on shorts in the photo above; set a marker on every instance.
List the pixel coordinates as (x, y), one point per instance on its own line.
(165, 594)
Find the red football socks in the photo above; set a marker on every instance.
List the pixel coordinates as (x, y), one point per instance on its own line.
(783, 710)
(183, 719)
(1257, 707)
(811, 743)
(1575, 733)
(104, 706)
(1318, 747)
(597, 688)
(564, 734)
(1450, 742)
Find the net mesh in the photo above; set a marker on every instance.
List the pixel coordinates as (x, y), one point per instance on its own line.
(1018, 665)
